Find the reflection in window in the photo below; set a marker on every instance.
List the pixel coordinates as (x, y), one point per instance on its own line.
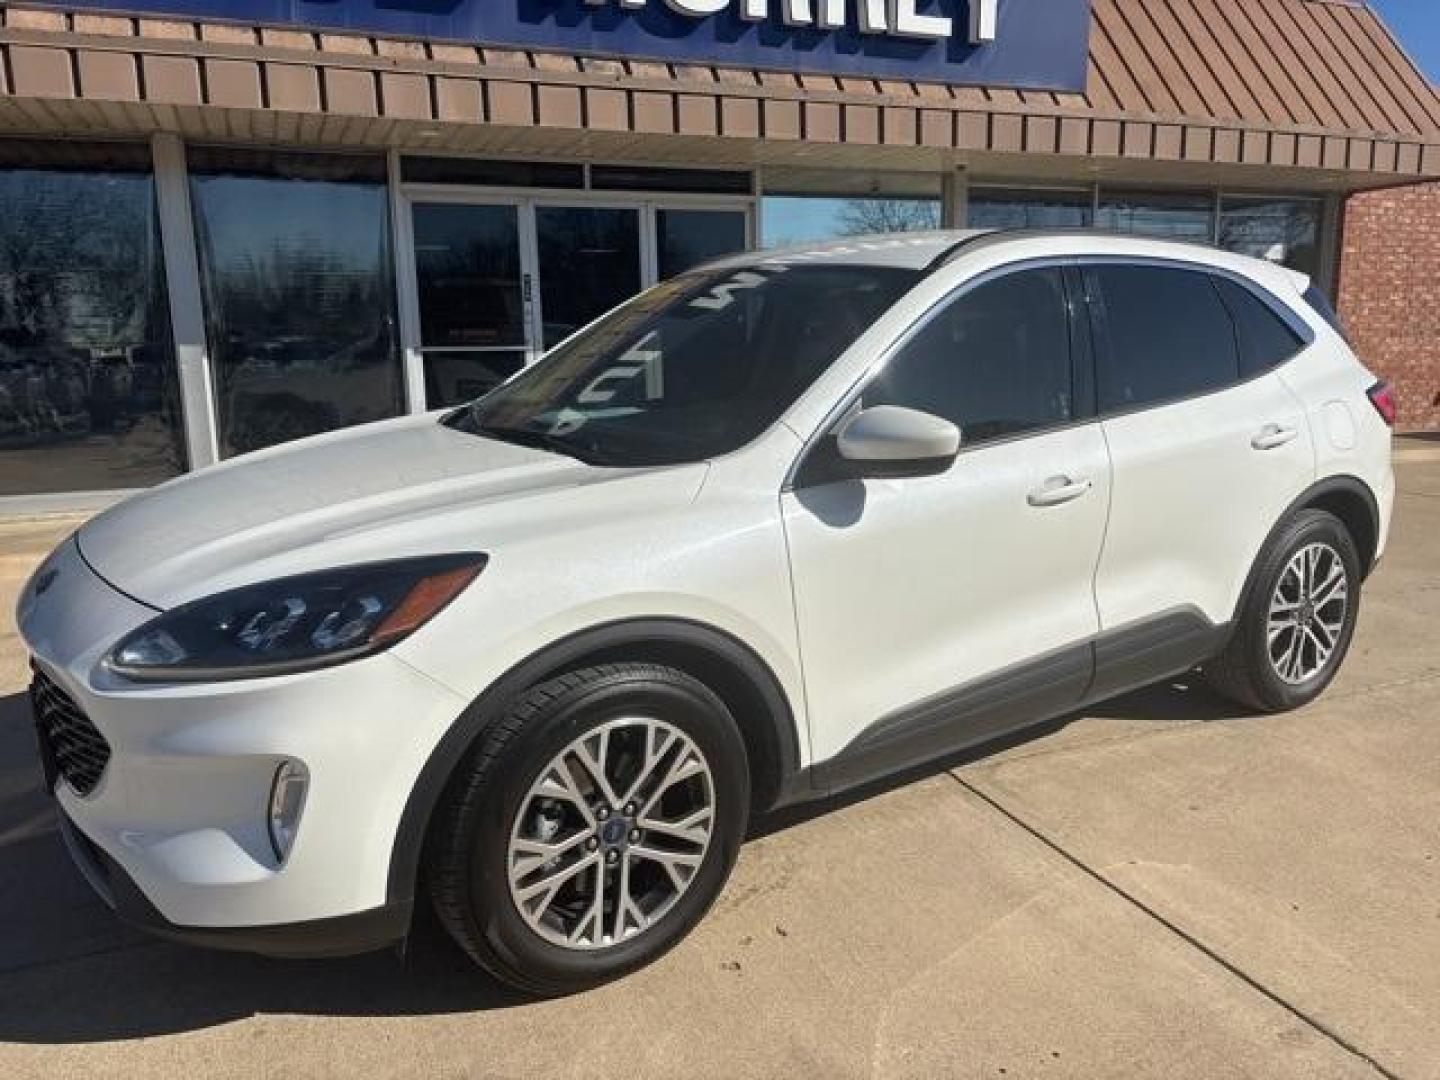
(1008, 208)
(88, 395)
(1176, 216)
(1285, 231)
(794, 219)
(687, 238)
(467, 265)
(299, 293)
(995, 362)
(459, 376)
(589, 263)
(695, 367)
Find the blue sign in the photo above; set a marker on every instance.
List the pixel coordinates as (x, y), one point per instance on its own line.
(1038, 44)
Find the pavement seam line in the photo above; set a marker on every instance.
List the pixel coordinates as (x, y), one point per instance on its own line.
(1178, 931)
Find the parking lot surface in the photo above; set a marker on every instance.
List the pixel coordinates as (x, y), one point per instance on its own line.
(1162, 887)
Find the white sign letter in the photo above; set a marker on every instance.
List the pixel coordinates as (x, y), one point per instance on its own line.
(698, 8)
(831, 15)
(905, 21)
(797, 13)
(872, 17)
(983, 17)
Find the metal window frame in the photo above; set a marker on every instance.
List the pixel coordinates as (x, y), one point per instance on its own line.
(193, 365)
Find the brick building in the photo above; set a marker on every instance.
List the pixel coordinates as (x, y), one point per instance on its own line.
(1389, 292)
(229, 223)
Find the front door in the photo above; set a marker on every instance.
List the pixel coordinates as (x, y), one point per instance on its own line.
(937, 611)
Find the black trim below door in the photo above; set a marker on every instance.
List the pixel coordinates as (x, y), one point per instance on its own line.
(1025, 695)
(977, 712)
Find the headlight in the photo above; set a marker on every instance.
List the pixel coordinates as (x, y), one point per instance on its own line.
(294, 624)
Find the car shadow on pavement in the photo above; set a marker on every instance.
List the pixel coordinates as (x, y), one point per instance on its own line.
(71, 972)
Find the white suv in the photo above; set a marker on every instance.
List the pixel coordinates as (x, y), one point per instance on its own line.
(785, 524)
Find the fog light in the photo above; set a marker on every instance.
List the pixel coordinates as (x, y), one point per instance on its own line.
(287, 800)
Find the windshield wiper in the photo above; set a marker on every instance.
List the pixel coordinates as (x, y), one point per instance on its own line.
(540, 440)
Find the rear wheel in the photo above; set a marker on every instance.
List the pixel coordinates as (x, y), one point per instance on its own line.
(1297, 622)
(592, 827)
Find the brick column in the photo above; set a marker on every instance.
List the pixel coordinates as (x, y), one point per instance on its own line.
(1390, 293)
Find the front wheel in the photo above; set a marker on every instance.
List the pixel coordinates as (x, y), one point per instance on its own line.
(592, 827)
(1295, 627)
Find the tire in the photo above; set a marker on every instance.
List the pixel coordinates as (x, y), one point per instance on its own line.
(1264, 674)
(508, 798)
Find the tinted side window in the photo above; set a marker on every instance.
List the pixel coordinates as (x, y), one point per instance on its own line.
(1266, 341)
(996, 361)
(1164, 335)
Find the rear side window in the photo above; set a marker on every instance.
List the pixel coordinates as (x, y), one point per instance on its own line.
(1164, 335)
(1266, 340)
(995, 361)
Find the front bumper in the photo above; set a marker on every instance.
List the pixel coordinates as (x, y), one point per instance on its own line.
(175, 832)
(343, 935)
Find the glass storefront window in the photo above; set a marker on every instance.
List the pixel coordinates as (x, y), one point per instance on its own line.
(803, 219)
(1176, 216)
(1285, 231)
(1019, 208)
(299, 289)
(687, 238)
(88, 394)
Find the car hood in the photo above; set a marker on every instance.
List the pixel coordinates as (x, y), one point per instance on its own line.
(403, 487)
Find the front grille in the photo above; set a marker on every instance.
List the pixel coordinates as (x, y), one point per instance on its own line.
(70, 746)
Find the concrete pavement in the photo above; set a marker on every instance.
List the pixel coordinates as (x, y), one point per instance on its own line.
(1164, 887)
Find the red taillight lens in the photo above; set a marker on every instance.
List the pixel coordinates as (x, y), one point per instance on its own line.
(1382, 396)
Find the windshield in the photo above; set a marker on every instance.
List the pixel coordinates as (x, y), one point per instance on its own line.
(694, 368)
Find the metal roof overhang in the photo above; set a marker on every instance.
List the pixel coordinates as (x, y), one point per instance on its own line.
(1311, 94)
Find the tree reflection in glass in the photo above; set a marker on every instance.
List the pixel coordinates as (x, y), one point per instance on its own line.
(88, 396)
(299, 293)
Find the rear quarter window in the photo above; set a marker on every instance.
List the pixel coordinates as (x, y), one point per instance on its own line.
(1265, 340)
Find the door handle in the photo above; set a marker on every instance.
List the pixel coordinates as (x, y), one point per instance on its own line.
(1274, 436)
(1058, 490)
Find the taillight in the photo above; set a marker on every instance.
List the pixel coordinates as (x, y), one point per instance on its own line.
(1382, 396)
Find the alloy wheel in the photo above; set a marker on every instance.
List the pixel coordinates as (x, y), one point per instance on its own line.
(611, 834)
(1307, 613)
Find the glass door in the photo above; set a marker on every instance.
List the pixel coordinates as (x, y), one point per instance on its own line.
(473, 290)
(589, 263)
(500, 279)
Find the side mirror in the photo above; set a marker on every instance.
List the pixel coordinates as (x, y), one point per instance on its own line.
(889, 441)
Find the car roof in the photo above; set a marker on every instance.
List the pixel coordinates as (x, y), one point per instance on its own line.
(926, 250)
(909, 250)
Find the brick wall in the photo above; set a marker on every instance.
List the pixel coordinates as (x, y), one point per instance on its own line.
(1390, 293)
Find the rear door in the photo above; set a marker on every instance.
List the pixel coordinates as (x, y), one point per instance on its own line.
(1208, 448)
